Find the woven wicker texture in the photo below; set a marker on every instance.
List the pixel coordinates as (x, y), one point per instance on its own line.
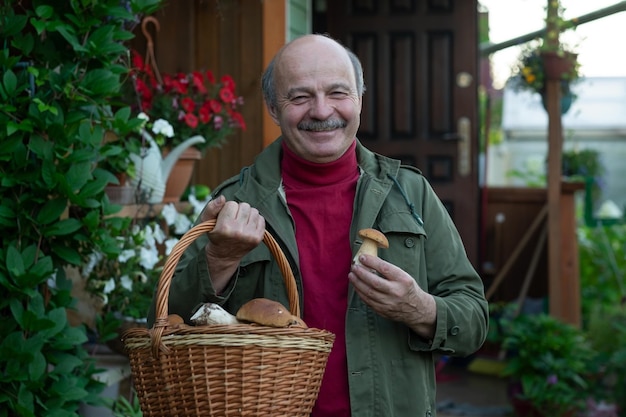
(234, 370)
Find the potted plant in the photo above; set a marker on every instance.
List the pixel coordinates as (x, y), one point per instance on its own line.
(180, 106)
(536, 64)
(549, 59)
(193, 103)
(547, 365)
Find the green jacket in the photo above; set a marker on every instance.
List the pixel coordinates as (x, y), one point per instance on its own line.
(391, 369)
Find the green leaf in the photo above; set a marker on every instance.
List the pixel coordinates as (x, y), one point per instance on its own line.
(48, 173)
(10, 82)
(63, 227)
(15, 264)
(52, 210)
(45, 12)
(68, 254)
(65, 363)
(44, 267)
(26, 402)
(72, 336)
(58, 318)
(17, 310)
(37, 366)
(78, 175)
(100, 81)
(12, 24)
(41, 147)
(66, 32)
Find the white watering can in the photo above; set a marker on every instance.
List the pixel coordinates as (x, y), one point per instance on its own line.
(153, 170)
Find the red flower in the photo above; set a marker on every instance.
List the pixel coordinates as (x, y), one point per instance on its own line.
(210, 78)
(215, 106)
(198, 82)
(228, 82)
(191, 120)
(193, 102)
(188, 104)
(205, 113)
(238, 118)
(226, 94)
(137, 61)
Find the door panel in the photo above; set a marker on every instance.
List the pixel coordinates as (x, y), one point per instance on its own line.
(420, 65)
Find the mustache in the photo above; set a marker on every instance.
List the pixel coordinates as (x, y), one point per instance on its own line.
(322, 125)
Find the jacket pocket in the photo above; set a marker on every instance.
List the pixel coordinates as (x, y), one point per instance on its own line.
(406, 244)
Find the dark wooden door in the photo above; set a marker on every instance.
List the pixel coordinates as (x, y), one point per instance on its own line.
(420, 64)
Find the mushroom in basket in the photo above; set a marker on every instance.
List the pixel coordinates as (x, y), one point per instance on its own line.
(261, 311)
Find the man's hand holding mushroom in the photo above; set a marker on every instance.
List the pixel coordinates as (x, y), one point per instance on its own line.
(239, 229)
(393, 293)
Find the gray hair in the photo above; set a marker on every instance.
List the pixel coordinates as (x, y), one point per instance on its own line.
(268, 83)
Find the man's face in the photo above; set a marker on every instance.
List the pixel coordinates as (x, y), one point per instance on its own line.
(318, 107)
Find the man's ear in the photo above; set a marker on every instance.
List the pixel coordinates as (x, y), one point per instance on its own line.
(273, 113)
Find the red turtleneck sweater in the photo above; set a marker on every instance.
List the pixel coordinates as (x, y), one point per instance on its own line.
(320, 198)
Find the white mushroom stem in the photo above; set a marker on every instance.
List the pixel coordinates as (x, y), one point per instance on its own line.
(368, 247)
(372, 240)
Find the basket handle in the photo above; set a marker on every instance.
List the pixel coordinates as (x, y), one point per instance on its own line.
(165, 279)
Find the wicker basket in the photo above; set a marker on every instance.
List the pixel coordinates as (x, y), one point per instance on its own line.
(230, 370)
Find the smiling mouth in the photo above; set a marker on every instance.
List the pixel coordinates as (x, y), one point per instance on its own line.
(322, 125)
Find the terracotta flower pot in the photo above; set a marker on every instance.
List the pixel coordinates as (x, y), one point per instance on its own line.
(181, 174)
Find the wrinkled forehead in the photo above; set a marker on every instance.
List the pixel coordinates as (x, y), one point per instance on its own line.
(314, 60)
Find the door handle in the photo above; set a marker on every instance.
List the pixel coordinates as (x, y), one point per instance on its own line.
(464, 146)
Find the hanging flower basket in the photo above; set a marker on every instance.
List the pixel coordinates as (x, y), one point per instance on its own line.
(536, 66)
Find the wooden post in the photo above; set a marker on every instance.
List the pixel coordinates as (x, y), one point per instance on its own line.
(274, 37)
(559, 279)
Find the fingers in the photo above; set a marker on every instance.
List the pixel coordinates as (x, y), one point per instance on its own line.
(387, 289)
(213, 208)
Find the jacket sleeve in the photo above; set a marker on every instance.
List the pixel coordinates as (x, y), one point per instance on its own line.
(462, 310)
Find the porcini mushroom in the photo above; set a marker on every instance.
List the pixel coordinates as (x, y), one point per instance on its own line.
(372, 240)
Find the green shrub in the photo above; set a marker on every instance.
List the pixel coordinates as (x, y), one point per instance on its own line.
(61, 67)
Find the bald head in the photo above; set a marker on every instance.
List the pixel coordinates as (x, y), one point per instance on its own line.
(322, 48)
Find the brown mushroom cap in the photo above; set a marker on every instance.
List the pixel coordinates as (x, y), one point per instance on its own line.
(268, 313)
(376, 236)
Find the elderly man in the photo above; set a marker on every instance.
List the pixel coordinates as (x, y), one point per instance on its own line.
(314, 188)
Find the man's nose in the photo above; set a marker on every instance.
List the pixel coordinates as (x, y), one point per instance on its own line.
(321, 108)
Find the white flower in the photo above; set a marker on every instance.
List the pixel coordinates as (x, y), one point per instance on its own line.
(109, 286)
(169, 214)
(181, 224)
(148, 237)
(153, 234)
(163, 127)
(169, 245)
(158, 233)
(143, 116)
(126, 255)
(198, 206)
(149, 258)
(126, 283)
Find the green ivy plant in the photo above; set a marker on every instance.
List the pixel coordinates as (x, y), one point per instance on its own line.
(61, 68)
